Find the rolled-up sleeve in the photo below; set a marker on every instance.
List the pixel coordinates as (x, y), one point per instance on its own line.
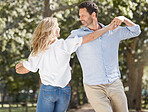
(128, 32)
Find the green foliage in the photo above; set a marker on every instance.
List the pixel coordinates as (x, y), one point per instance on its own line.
(20, 109)
(18, 19)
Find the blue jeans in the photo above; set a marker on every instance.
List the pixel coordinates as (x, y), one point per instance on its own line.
(53, 99)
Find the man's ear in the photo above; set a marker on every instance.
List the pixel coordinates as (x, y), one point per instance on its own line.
(93, 15)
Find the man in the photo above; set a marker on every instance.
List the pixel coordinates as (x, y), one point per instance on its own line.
(99, 60)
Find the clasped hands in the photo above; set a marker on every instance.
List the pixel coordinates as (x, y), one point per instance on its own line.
(116, 22)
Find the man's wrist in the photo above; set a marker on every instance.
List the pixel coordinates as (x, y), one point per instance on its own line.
(128, 22)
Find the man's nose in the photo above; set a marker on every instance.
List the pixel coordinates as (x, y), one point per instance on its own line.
(80, 18)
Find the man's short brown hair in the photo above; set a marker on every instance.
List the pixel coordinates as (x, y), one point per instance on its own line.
(90, 6)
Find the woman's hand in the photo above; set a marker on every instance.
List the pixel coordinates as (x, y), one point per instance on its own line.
(112, 26)
(18, 65)
(20, 69)
(118, 20)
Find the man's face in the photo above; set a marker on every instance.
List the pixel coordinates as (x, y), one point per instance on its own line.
(85, 17)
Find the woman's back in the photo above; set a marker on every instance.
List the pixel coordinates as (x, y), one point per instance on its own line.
(53, 63)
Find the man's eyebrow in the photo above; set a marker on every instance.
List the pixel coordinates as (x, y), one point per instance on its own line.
(81, 14)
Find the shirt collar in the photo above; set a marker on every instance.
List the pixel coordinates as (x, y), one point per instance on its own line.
(87, 29)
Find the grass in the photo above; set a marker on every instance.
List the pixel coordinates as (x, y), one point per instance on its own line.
(18, 109)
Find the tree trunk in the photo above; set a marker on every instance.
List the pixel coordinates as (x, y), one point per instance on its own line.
(134, 82)
(85, 100)
(73, 101)
(26, 105)
(46, 8)
(9, 107)
(45, 14)
(77, 92)
(4, 94)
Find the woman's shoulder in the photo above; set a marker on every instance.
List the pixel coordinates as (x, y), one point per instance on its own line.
(59, 42)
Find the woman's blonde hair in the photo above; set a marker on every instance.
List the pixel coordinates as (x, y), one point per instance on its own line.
(44, 35)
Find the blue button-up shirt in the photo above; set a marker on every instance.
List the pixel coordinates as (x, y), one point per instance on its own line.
(99, 58)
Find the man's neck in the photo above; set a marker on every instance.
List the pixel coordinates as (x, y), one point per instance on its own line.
(95, 26)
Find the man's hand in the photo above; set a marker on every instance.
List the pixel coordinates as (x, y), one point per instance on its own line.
(118, 21)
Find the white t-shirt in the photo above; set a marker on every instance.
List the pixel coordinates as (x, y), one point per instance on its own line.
(53, 64)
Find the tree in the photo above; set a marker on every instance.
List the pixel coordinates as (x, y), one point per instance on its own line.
(18, 18)
(132, 52)
(136, 56)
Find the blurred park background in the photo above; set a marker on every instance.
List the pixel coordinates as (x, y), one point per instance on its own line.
(18, 20)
